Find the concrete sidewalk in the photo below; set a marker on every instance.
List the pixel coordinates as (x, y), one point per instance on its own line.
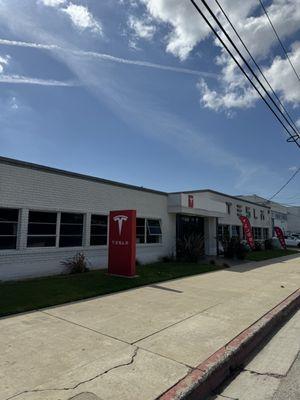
(136, 344)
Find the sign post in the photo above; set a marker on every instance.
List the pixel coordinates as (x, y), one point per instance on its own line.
(122, 243)
(248, 231)
(280, 236)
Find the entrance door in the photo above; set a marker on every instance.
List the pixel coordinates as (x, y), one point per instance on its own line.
(189, 233)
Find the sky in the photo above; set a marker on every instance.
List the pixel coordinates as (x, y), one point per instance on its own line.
(141, 92)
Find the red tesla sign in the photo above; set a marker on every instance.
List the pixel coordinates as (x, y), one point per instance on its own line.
(191, 201)
(122, 242)
(248, 231)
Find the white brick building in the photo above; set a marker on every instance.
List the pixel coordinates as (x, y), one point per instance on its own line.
(47, 215)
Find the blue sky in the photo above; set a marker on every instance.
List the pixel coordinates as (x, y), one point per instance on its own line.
(66, 104)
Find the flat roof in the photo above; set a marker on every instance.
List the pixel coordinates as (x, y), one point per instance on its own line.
(38, 167)
(221, 194)
(44, 168)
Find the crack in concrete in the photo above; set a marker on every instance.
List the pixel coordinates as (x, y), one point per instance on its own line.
(131, 361)
(270, 374)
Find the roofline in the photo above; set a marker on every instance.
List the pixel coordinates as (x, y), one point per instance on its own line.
(221, 194)
(39, 167)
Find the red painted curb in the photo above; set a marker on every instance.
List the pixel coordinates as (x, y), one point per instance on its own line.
(208, 375)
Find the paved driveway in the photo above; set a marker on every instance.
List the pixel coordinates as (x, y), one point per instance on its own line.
(135, 344)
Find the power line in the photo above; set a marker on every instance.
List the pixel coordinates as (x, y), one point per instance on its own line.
(279, 40)
(256, 64)
(293, 138)
(289, 180)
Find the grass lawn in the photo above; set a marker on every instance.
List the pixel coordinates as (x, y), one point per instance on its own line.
(267, 254)
(32, 294)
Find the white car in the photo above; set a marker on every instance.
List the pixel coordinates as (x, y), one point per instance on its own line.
(292, 241)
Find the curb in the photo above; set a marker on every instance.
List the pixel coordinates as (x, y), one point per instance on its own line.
(208, 375)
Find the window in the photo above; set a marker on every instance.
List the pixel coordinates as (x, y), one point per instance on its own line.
(71, 230)
(140, 230)
(98, 230)
(223, 232)
(9, 218)
(235, 231)
(265, 233)
(257, 233)
(41, 229)
(148, 231)
(153, 231)
(262, 215)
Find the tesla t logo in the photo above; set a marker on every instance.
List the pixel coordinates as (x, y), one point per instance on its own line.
(119, 219)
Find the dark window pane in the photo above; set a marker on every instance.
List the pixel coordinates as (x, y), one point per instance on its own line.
(7, 228)
(69, 241)
(153, 238)
(140, 239)
(140, 230)
(98, 230)
(66, 229)
(41, 216)
(70, 218)
(153, 227)
(8, 242)
(9, 214)
(98, 240)
(140, 222)
(40, 241)
(41, 229)
(98, 219)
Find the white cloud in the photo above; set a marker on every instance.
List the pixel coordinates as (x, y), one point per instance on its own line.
(82, 18)
(13, 103)
(141, 27)
(107, 57)
(298, 122)
(53, 3)
(4, 60)
(293, 169)
(187, 29)
(19, 79)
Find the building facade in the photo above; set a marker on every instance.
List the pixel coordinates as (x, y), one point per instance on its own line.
(47, 215)
(293, 219)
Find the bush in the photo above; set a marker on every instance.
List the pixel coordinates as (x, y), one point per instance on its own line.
(190, 248)
(76, 264)
(241, 251)
(167, 259)
(257, 246)
(269, 244)
(235, 248)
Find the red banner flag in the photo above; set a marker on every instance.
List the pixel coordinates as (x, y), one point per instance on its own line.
(280, 236)
(248, 231)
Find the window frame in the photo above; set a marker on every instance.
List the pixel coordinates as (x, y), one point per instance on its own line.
(29, 235)
(15, 224)
(146, 233)
(100, 235)
(83, 224)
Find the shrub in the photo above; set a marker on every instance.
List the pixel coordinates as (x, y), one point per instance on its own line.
(167, 259)
(269, 244)
(257, 246)
(190, 248)
(241, 251)
(229, 248)
(76, 264)
(212, 262)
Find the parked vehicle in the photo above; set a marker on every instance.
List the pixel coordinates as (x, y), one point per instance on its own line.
(292, 241)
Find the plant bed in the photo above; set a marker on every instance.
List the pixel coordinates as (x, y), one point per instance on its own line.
(268, 254)
(37, 293)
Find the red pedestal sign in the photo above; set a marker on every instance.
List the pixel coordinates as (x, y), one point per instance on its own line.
(280, 236)
(122, 242)
(248, 231)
